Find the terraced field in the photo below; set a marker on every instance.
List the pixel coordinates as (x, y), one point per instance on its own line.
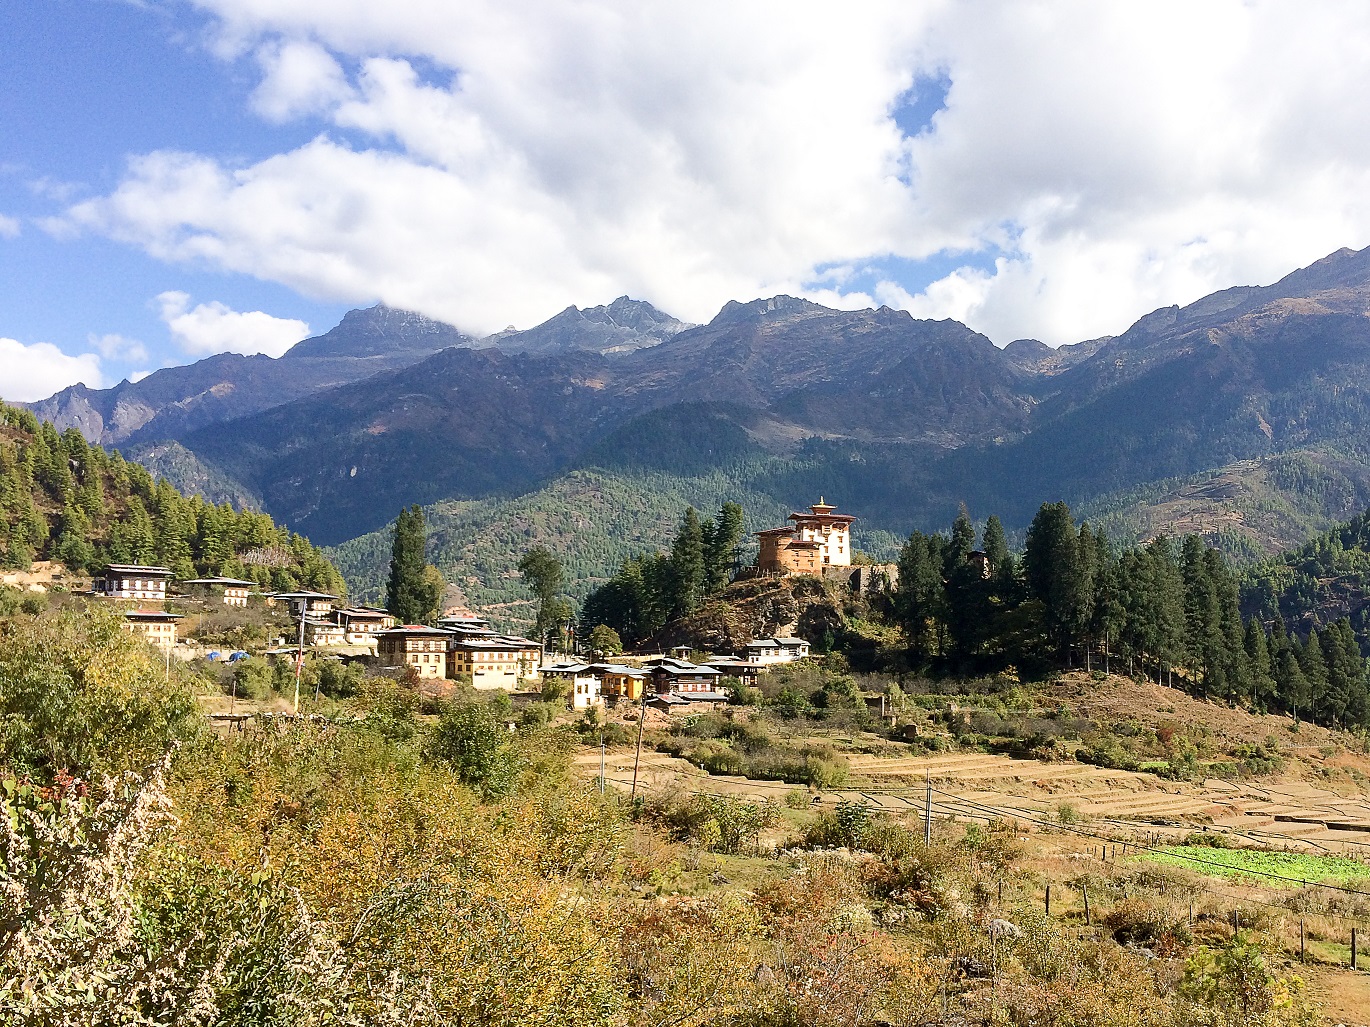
(979, 787)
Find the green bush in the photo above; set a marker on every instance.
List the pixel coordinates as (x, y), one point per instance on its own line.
(474, 743)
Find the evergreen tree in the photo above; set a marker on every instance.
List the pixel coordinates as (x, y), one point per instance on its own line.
(408, 592)
(1314, 669)
(543, 573)
(721, 541)
(920, 598)
(1260, 672)
(996, 550)
(1054, 575)
(687, 564)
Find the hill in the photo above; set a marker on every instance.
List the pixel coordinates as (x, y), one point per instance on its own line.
(64, 499)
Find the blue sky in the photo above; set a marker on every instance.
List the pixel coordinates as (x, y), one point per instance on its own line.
(86, 84)
(179, 178)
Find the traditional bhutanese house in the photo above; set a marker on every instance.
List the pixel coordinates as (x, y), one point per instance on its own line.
(414, 645)
(318, 605)
(465, 621)
(620, 682)
(740, 669)
(672, 676)
(229, 591)
(493, 661)
(766, 651)
(157, 626)
(583, 685)
(817, 539)
(133, 581)
(323, 633)
(361, 624)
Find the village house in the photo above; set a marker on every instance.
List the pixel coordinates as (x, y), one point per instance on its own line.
(763, 652)
(157, 626)
(231, 591)
(133, 581)
(466, 621)
(361, 624)
(323, 633)
(680, 677)
(315, 605)
(730, 667)
(620, 682)
(492, 661)
(583, 685)
(817, 539)
(414, 645)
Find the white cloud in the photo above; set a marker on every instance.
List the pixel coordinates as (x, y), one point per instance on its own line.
(215, 328)
(38, 370)
(489, 163)
(297, 78)
(117, 347)
(9, 227)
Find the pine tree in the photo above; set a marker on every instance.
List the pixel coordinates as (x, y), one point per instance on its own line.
(721, 541)
(1314, 669)
(1261, 678)
(408, 595)
(920, 597)
(1053, 573)
(687, 564)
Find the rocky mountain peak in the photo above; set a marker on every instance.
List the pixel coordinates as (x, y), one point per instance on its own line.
(378, 331)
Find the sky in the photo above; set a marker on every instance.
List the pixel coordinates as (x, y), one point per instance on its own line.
(182, 178)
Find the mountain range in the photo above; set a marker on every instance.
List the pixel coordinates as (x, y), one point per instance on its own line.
(1241, 415)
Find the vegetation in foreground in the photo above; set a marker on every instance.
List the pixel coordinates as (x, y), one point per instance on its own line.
(393, 867)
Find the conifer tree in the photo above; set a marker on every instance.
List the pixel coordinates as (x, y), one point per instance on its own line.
(1053, 573)
(409, 593)
(687, 563)
(722, 537)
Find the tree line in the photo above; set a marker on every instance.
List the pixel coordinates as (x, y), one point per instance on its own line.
(652, 589)
(64, 499)
(1168, 610)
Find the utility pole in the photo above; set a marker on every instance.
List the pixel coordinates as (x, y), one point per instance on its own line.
(299, 656)
(641, 723)
(601, 763)
(927, 809)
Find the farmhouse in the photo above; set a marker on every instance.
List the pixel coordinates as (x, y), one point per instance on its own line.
(361, 624)
(620, 682)
(133, 581)
(583, 684)
(414, 645)
(318, 605)
(763, 652)
(492, 661)
(817, 539)
(157, 626)
(231, 591)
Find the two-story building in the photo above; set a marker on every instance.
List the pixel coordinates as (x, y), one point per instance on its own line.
(583, 685)
(133, 581)
(620, 682)
(817, 539)
(318, 605)
(361, 624)
(680, 677)
(764, 652)
(414, 645)
(229, 591)
(157, 626)
(492, 661)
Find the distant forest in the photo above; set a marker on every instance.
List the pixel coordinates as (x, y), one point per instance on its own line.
(64, 499)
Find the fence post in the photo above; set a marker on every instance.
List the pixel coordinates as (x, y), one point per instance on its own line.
(1089, 921)
(1048, 900)
(1001, 893)
(1303, 941)
(1353, 948)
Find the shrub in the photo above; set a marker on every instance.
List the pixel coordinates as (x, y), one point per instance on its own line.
(797, 798)
(476, 746)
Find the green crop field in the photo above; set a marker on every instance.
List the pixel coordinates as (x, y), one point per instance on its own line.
(1253, 863)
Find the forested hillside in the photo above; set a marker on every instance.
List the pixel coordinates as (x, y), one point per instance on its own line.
(63, 499)
(1320, 582)
(1166, 609)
